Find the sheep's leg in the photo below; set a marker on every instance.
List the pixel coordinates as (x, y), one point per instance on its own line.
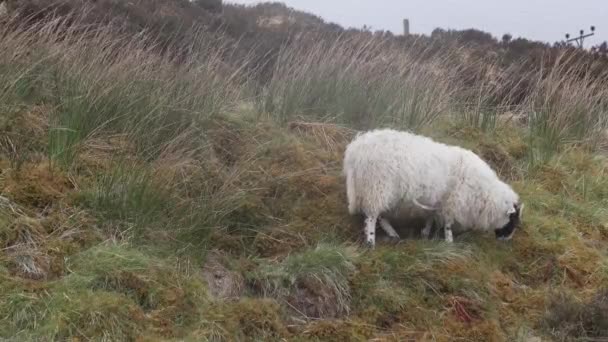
(370, 230)
(386, 226)
(426, 232)
(448, 233)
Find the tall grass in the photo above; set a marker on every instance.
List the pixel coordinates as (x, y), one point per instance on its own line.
(96, 81)
(100, 81)
(568, 105)
(563, 104)
(366, 82)
(360, 81)
(107, 93)
(485, 92)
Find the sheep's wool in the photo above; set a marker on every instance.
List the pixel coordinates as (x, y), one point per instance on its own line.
(388, 168)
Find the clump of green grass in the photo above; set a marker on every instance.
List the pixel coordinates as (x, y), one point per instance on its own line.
(322, 272)
(414, 284)
(113, 292)
(129, 193)
(258, 319)
(88, 315)
(142, 205)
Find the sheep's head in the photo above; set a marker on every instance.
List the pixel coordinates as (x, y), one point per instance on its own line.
(514, 217)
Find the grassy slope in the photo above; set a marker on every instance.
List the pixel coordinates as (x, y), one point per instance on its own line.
(144, 200)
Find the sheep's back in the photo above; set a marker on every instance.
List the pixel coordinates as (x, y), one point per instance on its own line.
(400, 165)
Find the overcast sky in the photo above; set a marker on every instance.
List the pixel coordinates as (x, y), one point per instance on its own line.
(546, 20)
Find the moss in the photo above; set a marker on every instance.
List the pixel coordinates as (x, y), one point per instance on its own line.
(37, 185)
(111, 291)
(336, 330)
(314, 282)
(92, 315)
(147, 281)
(249, 319)
(413, 285)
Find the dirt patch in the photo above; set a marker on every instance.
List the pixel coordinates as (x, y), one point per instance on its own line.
(222, 282)
(314, 299)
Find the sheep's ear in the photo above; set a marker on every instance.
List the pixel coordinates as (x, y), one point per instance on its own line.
(511, 211)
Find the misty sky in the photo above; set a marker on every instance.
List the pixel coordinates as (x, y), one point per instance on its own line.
(546, 20)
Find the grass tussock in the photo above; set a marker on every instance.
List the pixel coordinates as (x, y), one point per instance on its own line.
(362, 82)
(110, 291)
(146, 197)
(313, 283)
(569, 318)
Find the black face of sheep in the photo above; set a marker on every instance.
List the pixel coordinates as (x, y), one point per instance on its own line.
(506, 232)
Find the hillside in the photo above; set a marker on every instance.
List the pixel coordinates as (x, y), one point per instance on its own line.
(184, 183)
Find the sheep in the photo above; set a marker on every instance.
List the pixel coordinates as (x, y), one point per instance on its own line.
(406, 211)
(387, 170)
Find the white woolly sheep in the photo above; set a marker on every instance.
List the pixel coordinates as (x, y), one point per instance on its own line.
(387, 170)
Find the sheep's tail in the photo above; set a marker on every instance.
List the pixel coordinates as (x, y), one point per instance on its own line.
(351, 193)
